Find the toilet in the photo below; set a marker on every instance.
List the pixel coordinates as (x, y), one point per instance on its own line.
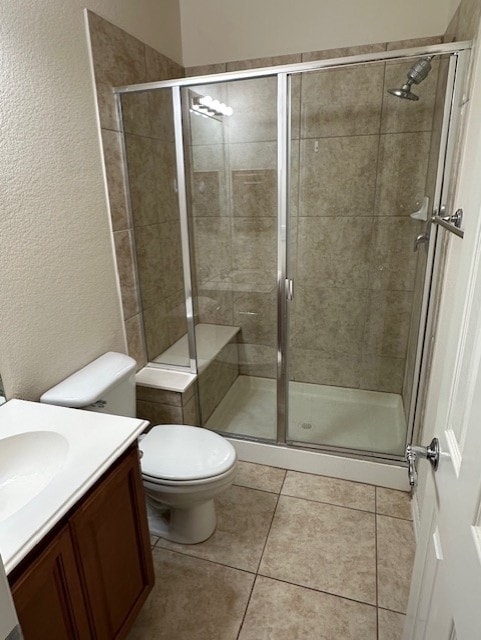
(183, 467)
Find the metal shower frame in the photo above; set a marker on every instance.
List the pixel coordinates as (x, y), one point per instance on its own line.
(459, 53)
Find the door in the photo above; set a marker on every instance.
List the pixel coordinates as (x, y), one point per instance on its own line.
(446, 587)
(362, 162)
(230, 149)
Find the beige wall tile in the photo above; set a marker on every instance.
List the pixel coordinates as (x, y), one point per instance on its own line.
(171, 276)
(400, 115)
(401, 183)
(382, 374)
(256, 315)
(395, 556)
(149, 263)
(338, 542)
(160, 67)
(206, 131)
(206, 69)
(254, 193)
(136, 114)
(212, 246)
(255, 110)
(256, 63)
(111, 143)
(285, 611)
(393, 261)
(152, 394)
(334, 252)
(214, 307)
(257, 360)
(158, 413)
(390, 625)
(165, 188)
(259, 476)
(189, 584)
(216, 380)
(338, 176)
(330, 320)
(243, 520)
(206, 194)
(387, 328)
(468, 20)
(330, 490)
(413, 42)
(343, 52)
(124, 251)
(135, 340)
(254, 249)
(156, 330)
(342, 102)
(308, 365)
(191, 412)
(176, 315)
(142, 183)
(250, 156)
(118, 59)
(393, 503)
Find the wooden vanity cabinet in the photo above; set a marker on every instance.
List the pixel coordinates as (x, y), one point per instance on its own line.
(92, 576)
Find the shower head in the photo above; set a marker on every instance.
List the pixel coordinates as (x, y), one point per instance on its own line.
(416, 74)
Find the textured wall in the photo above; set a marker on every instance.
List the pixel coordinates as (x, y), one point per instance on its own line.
(59, 301)
(219, 30)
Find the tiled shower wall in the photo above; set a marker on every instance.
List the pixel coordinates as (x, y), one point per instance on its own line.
(350, 321)
(360, 161)
(120, 59)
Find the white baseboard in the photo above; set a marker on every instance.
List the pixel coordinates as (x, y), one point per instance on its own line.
(377, 473)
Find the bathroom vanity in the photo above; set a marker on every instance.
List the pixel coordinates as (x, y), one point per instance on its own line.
(78, 553)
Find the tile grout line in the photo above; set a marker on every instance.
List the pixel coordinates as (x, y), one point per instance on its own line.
(326, 593)
(260, 559)
(268, 533)
(331, 504)
(246, 607)
(219, 564)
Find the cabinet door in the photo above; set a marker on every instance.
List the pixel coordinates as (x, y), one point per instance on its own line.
(48, 596)
(111, 539)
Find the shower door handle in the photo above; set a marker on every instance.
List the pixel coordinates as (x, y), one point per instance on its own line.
(413, 452)
(289, 289)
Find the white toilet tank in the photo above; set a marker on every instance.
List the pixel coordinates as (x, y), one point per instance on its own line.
(106, 385)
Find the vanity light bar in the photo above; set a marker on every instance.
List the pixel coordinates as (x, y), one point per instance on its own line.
(210, 108)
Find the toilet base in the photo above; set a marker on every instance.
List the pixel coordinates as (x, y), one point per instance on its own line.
(185, 526)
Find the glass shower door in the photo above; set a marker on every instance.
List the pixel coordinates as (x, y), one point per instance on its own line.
(362, 161)
(230, 144)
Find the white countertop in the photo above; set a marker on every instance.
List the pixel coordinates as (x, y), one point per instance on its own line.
(95, 441)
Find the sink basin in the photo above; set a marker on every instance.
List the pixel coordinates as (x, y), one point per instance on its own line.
(28, 462)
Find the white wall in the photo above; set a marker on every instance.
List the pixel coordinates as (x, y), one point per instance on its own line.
(226, 30)
(59, 306)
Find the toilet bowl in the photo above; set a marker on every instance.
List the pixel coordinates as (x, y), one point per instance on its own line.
(183, 467)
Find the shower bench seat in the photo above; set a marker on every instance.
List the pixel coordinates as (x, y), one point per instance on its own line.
(166, 395)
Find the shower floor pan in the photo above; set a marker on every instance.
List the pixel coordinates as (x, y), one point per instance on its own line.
(370, 421)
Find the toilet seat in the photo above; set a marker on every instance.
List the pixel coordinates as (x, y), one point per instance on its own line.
(186, 455)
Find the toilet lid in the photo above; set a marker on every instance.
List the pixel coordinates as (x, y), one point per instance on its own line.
(180, 452)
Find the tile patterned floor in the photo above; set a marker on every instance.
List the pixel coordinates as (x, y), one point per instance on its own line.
(294, 557)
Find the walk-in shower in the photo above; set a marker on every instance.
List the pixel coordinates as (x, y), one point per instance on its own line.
(275, 213)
